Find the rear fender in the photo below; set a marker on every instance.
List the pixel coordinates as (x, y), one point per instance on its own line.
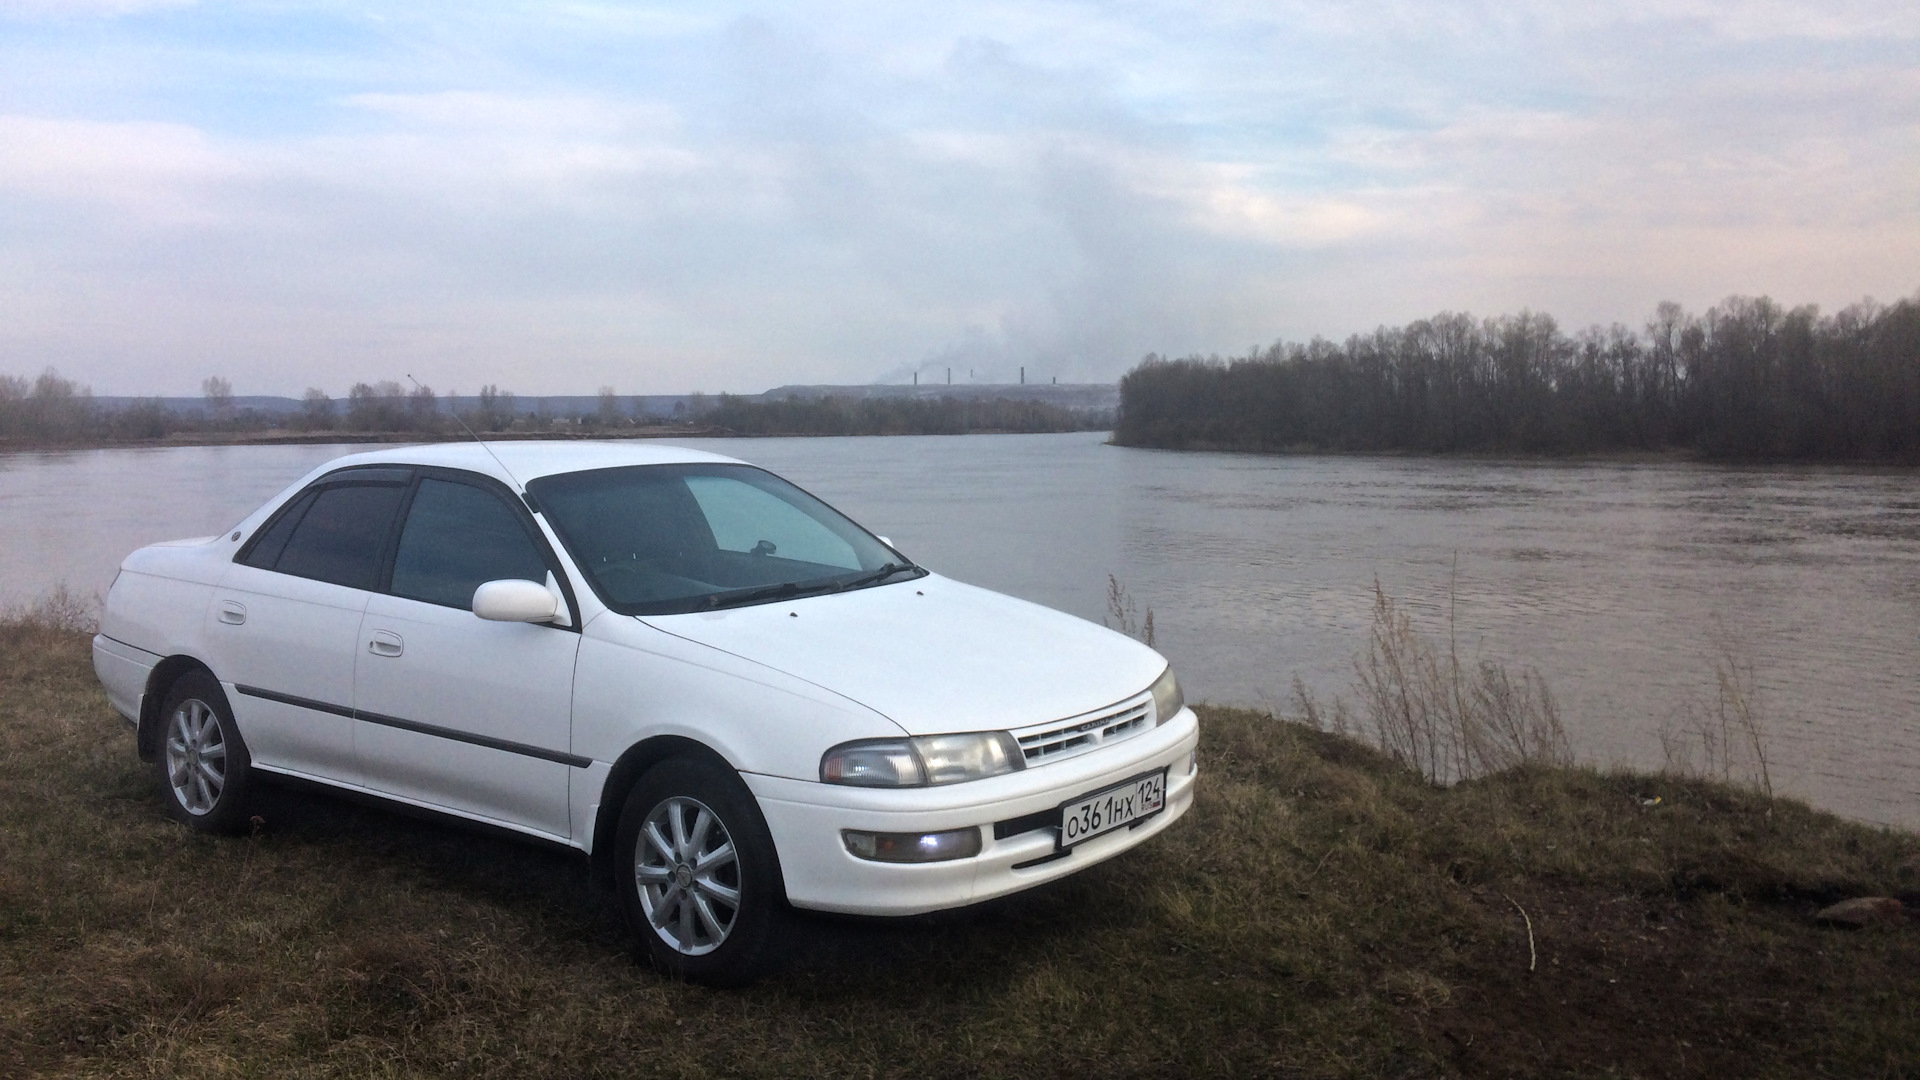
(152, 724)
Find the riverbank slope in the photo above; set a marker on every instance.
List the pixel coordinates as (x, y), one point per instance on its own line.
(1322, 912)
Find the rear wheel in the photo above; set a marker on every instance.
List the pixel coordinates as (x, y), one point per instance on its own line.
(203, 763)
(698, 876)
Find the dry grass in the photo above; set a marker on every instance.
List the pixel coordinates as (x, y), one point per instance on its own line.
(1725, 740)
(1124, 615)
(1441, 717)
(61, 610)
(1324, 911)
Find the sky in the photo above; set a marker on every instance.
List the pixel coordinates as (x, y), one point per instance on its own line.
(719, 196)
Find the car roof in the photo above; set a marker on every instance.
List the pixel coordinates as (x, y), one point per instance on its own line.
(526, 460)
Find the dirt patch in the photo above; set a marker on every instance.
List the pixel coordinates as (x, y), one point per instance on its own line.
(1643, 986)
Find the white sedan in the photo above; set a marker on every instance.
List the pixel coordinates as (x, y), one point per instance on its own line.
(677, 662)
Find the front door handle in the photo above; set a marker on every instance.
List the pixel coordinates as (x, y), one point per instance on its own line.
(232, 614)
(385, 643)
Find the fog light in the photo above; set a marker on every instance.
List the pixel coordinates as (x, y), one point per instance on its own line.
(1193, 762)
(913, 847)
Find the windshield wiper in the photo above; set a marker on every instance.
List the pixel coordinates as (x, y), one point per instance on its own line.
(876, 577)
(787, 590)
(783, 591)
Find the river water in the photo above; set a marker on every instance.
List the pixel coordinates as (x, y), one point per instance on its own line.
(1619, 582)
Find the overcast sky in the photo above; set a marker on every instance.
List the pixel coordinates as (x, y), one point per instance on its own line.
(554, 197)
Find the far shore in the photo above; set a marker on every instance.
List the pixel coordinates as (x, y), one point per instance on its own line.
(282, 437)
(317, 438)
(1531, 457)
(324, 438)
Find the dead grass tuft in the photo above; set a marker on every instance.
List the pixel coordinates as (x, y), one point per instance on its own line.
(60, 610)
(1124, 615)
(1439, 716)
(1725, 740)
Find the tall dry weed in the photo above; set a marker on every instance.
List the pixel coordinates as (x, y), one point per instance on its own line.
(1440, 716)
(1726, 739)
(1124, 615)
(60, 609)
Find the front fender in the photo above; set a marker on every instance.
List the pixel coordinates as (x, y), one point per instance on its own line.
(635, 683)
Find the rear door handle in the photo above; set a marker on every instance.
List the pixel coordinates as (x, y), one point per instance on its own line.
(232, 614)
(385, 643)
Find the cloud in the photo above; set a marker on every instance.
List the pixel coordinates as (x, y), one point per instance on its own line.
(150, 173)
(736, 198)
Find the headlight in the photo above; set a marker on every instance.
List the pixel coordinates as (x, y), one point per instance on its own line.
(1167, 699)
(923, 761)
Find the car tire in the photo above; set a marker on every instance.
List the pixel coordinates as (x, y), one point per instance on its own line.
(204, 768)
(698, 876)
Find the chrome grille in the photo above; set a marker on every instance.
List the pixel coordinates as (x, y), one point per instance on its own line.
(1078, 734)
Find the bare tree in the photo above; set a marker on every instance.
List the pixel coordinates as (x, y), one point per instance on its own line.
(316, 410)
(57, 407)
(219, 394)
(496, 408)
(377, 407)
(423, 409)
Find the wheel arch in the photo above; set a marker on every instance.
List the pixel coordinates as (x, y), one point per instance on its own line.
(627, 771)
(159, 681)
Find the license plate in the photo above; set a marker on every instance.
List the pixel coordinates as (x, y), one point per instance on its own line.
(1126, 803)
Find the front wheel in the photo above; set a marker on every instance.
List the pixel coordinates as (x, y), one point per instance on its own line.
(698, 876)
(204, 764)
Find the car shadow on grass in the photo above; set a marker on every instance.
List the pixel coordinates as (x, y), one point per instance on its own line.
(560, 894)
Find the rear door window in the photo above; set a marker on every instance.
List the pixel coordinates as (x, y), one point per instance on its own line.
(341, 535)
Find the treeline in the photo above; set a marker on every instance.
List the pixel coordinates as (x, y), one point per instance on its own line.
(389, 406)
(1748, 379)
(54, 409)
(895, 416)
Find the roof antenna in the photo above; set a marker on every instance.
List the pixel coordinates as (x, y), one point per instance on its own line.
(524, 493)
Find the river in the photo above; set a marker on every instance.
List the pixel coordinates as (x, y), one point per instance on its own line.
(1620, 583)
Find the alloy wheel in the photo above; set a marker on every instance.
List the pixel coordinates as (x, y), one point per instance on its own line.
(196, 756)
(688, 875)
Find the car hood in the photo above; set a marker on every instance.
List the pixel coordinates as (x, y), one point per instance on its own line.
(934, 655)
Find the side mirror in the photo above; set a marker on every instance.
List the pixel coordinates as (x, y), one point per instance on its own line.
(514, 600)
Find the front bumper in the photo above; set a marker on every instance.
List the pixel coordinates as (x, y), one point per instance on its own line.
(806, 819)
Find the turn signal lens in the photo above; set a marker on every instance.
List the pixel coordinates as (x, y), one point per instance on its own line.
(875, 763)
(1167, 699)
(913, 847)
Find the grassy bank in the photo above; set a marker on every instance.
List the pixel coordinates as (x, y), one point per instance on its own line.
(1322, 912)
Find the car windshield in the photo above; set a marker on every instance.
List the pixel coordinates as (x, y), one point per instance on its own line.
(669, 539)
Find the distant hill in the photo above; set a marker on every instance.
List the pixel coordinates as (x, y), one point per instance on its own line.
(1077, 396)
(187, 406)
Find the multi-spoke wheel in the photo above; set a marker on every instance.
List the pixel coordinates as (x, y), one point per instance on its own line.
(688, 876)
(698, 875)
(196, 756)
(203, 762)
